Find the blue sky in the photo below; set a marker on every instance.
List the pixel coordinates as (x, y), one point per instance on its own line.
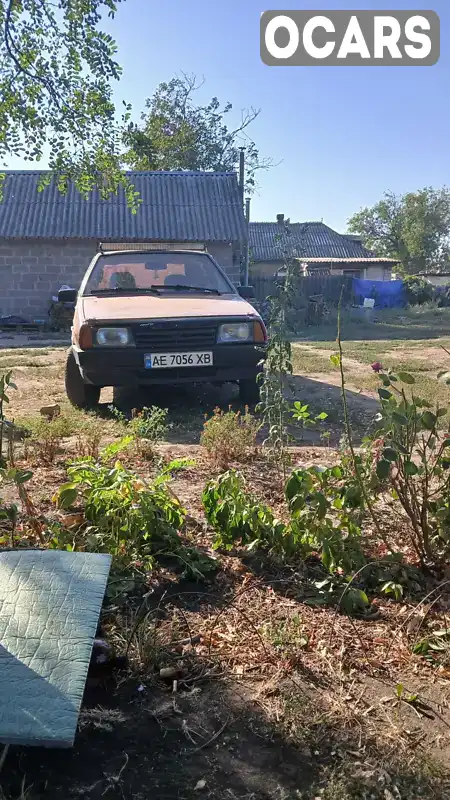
(343, 135)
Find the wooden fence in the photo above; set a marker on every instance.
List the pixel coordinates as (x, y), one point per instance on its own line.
(329, 286)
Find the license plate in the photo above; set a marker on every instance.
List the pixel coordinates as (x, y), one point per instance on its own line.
(174, 360)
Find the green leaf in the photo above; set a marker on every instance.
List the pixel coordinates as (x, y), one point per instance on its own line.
(446, 443)
(322, 416)
(405, 377)
(411, 468)
(383, 469)
(389, 454)
(400, 419)
(67, 496)
(335, 360)
(23, 476)
(428, 420)
(442, 412)
(384, 394)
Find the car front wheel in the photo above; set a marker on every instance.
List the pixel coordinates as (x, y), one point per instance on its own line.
(79, 393)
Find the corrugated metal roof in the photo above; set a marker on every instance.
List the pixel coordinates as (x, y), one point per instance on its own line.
(350, 260)
(307, 240)
(176, 206)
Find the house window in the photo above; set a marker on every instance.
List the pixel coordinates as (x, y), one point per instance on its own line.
(352, 273)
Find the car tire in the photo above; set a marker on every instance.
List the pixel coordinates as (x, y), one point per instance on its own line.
(124, 398)
(249, 391)
(80, 394)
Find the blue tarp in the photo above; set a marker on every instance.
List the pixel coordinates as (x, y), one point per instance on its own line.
(387, 294)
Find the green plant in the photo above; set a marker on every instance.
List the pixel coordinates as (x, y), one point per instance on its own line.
(135, 521)
(150, 424)
(47, 435)
(288, 636)
(413, 463)
(147, 426)
(326, 516)
(238, 518)
(229, 435)
(417, 290)
(111, 451)
(274, 406)
(392, 588)
(5, 385)
(11, 474)
(302, 415)
(9, 513)
(435, 648)
(90, 436)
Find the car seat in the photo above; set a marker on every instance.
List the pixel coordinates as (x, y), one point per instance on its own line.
(122, 280)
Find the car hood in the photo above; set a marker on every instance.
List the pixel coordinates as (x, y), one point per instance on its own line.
(149, 306)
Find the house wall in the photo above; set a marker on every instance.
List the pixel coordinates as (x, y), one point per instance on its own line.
(375, 272)
(32, 271)
(265, 269)
(438, 280)
(378, 272)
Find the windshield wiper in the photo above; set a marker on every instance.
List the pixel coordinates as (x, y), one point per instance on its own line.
(181, 287)
(123, 290)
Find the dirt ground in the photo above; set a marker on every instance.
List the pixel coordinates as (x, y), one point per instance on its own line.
(279, 698)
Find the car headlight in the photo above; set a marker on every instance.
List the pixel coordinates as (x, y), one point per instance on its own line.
(113, 337)
(234, 332)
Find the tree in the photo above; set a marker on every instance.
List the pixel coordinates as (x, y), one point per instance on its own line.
(56, 69)
(178, 134)
(414, 228)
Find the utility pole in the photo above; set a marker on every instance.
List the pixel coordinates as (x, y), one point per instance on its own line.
(247, 246)
(242, 173)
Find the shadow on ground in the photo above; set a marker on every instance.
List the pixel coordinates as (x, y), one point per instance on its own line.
(274, 736)
(189, 405)
(218, 740)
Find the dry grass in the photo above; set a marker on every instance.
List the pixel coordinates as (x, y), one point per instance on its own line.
(298, 673)
(424, 360)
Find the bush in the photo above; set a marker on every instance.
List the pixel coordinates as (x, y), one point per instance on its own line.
(324, 517)
(148, 427)
(134, 521)
(229, 436)
(47, 435)
(150, 424)
(90, 436)
(417, 290)
(238, 518)
(412, 463)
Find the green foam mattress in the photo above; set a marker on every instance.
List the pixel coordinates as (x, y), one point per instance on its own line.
(50, 603)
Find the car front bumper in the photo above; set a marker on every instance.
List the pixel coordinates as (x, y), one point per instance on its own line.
(126, 366)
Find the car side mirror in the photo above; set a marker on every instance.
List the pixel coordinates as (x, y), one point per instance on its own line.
(67, 296)
(247, 292)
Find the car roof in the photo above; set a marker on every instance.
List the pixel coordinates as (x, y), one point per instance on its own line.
(152, 250)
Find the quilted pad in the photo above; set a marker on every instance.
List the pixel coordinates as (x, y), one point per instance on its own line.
(50, 603)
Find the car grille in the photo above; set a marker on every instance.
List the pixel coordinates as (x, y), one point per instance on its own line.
(171, 337)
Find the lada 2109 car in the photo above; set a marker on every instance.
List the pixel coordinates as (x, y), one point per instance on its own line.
(161, 317)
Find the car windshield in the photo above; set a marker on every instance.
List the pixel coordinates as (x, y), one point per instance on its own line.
(156, 273)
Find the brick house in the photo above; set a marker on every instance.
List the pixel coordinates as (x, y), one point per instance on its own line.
(320, 249)
(47, 239)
